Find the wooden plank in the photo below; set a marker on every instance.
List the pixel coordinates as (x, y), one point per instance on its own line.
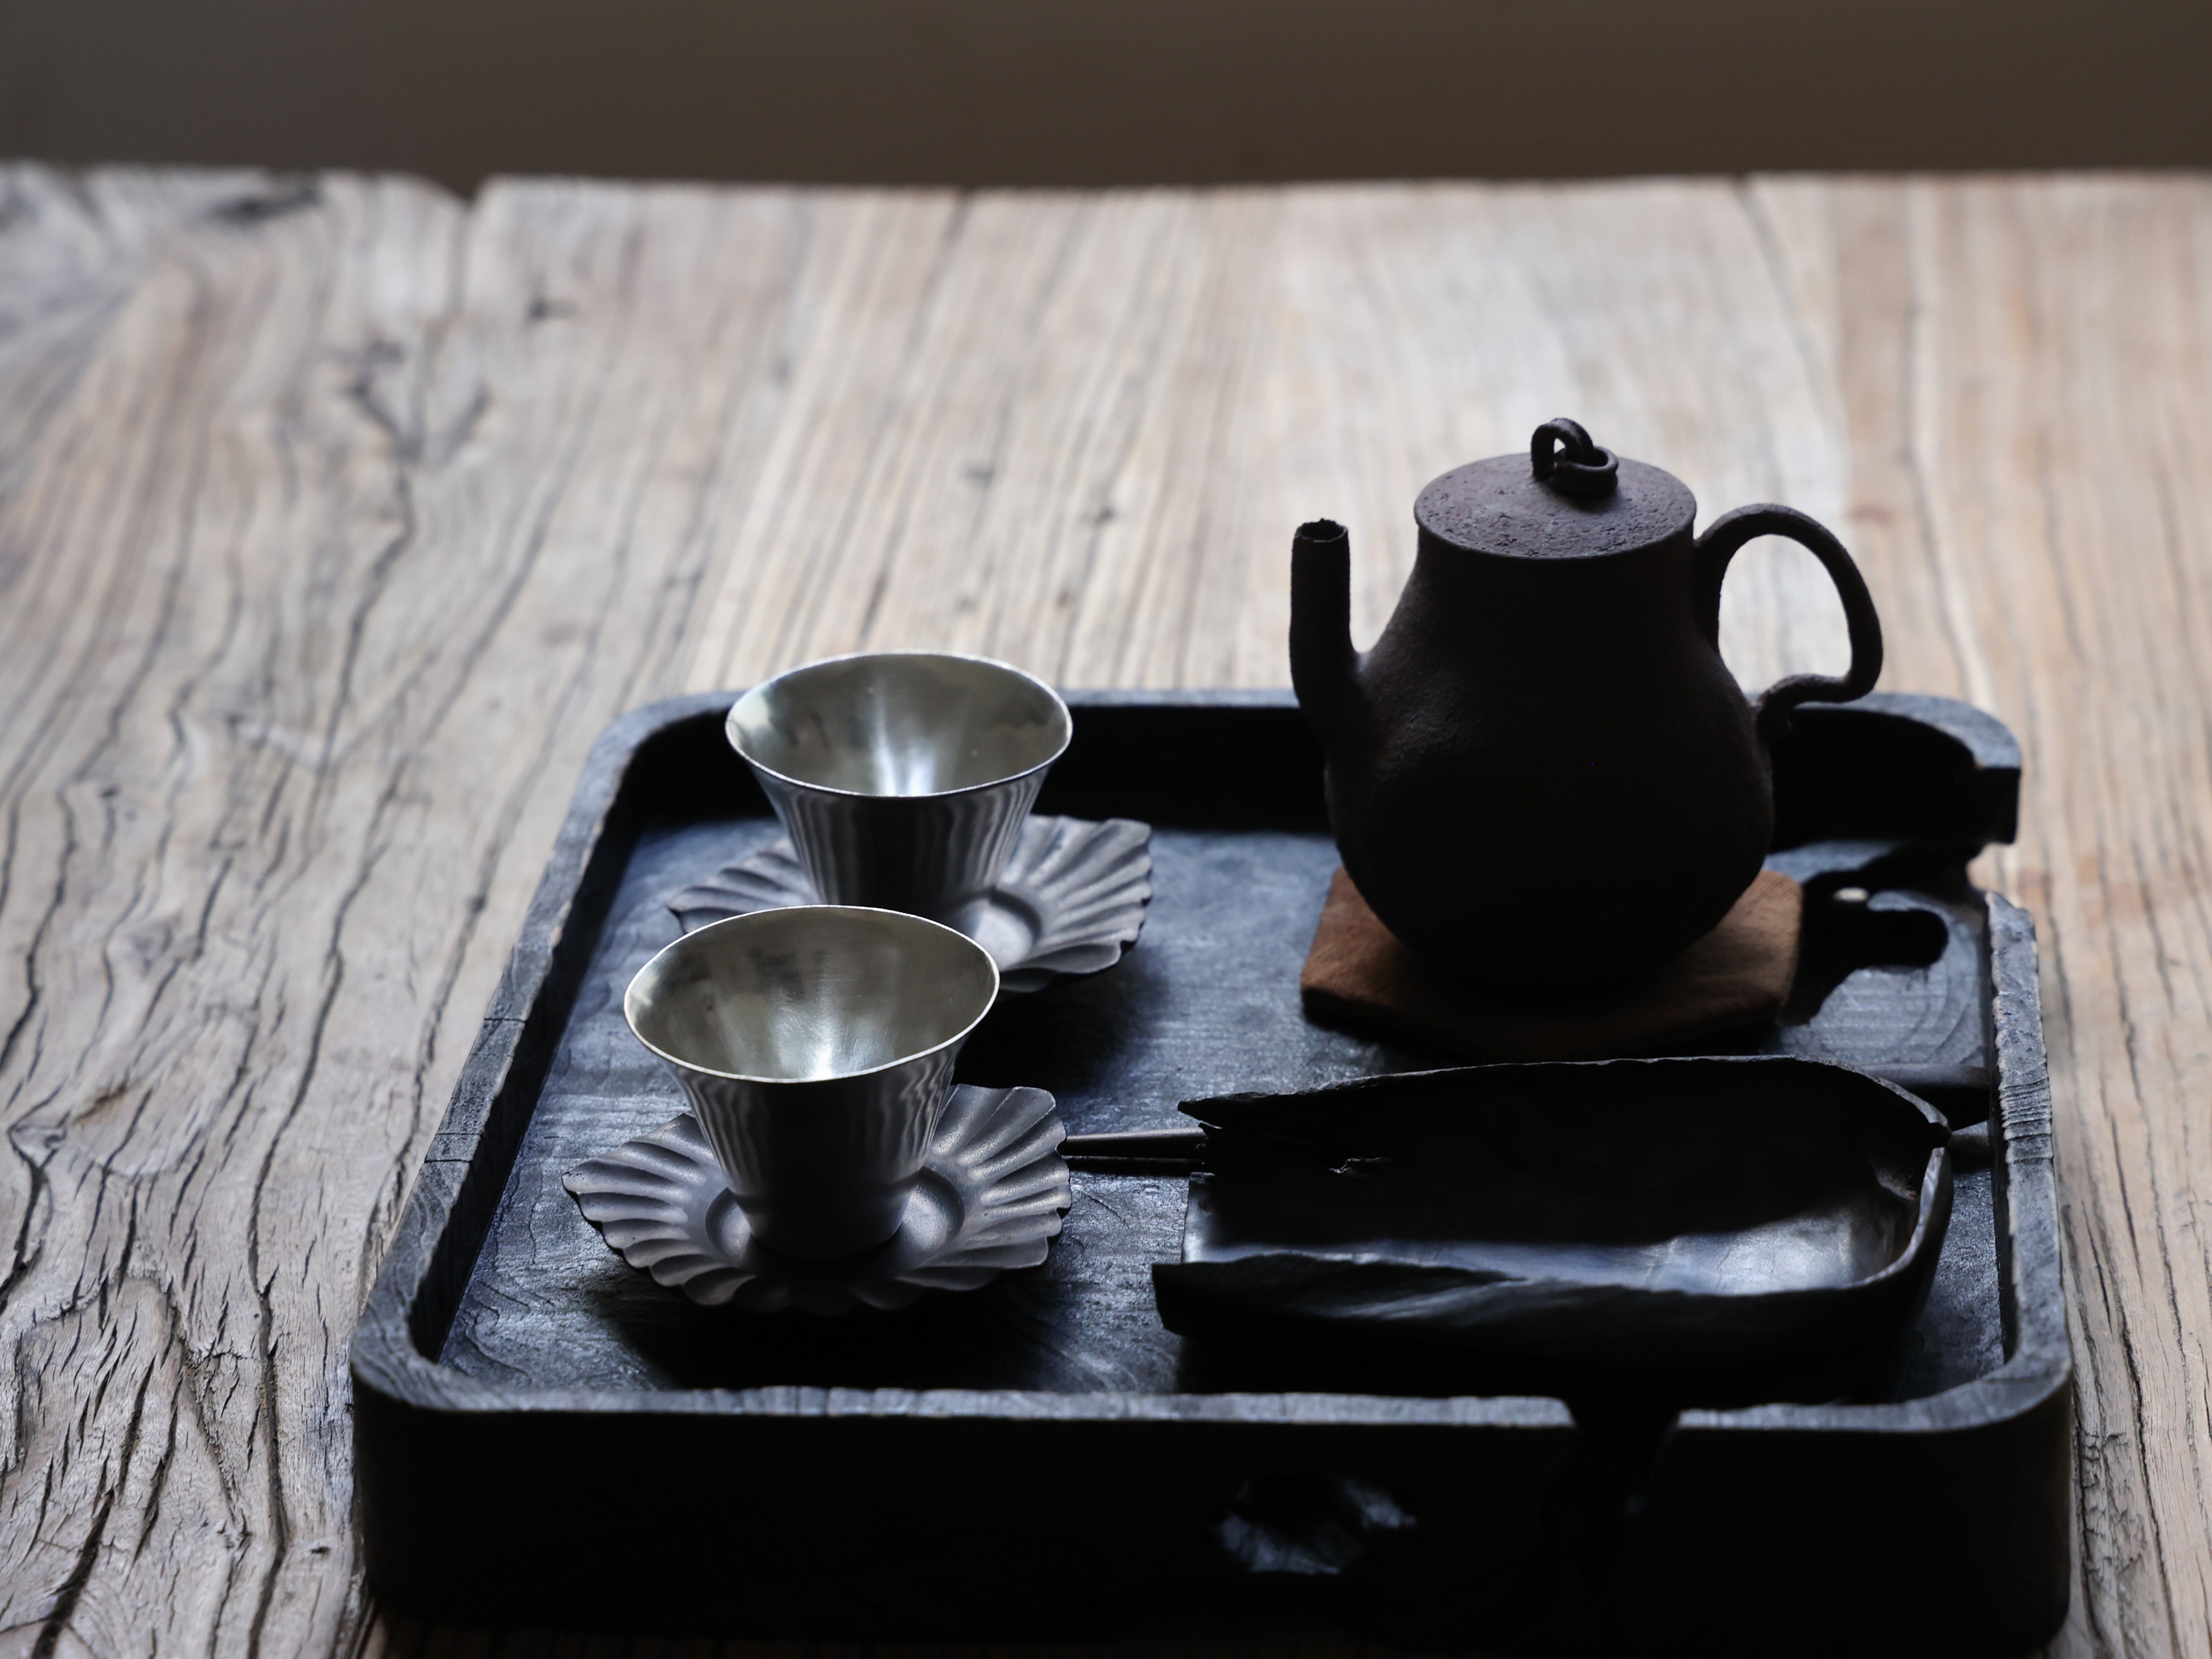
(1077, 432)
(190, 524)
(2029, 382)
(319, 587)
(335, 519)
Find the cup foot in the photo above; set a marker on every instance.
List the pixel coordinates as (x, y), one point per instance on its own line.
(801, 1241)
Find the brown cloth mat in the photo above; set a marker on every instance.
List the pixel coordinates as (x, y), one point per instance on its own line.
(1359, 976)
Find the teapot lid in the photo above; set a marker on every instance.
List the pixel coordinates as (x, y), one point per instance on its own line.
(1568, 499)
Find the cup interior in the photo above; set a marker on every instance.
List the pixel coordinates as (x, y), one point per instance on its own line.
(900, 723)
(810, 993)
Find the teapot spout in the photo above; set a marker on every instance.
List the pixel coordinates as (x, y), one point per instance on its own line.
(1324, 668)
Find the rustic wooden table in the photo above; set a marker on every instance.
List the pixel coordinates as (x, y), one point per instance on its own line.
(337, 515)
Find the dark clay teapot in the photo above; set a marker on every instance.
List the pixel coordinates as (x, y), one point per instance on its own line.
(1543, 778)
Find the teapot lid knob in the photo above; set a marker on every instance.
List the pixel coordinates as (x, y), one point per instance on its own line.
(1561, 454)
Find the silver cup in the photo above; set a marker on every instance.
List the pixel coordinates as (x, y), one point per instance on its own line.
(902, 777)
(817, 1046)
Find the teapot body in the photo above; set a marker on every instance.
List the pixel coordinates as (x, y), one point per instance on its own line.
(1557, 782)
(1543, 778)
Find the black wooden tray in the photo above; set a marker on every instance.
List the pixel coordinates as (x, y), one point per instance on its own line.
(544, 1436)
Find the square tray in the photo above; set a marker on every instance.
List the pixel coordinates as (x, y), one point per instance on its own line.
(544, 1435)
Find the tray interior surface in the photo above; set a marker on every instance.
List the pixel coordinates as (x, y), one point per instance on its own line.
(1206, 1004)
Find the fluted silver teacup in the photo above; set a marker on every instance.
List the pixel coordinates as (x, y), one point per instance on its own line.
(902, 777)
(817, 1046)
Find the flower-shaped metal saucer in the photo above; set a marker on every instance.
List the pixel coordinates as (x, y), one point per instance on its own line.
(1072, 900)
(990, 1197)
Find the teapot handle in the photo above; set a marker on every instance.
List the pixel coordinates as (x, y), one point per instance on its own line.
(1720, 544)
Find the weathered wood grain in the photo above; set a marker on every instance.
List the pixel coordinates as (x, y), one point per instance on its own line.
(336, 518)
(2027, 368)
(1077, 432)
(315, 592)
(199, 529)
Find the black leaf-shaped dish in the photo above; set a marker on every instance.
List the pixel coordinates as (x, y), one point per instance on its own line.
(1072, 900)
(1625, 1219)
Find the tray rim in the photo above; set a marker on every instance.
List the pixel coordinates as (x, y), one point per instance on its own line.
(387, 1363)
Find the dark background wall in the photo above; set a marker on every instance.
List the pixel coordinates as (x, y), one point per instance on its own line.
(1107, 91)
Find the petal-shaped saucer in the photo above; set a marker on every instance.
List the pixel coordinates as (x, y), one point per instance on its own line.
(990, 1197)
(1072, 900)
